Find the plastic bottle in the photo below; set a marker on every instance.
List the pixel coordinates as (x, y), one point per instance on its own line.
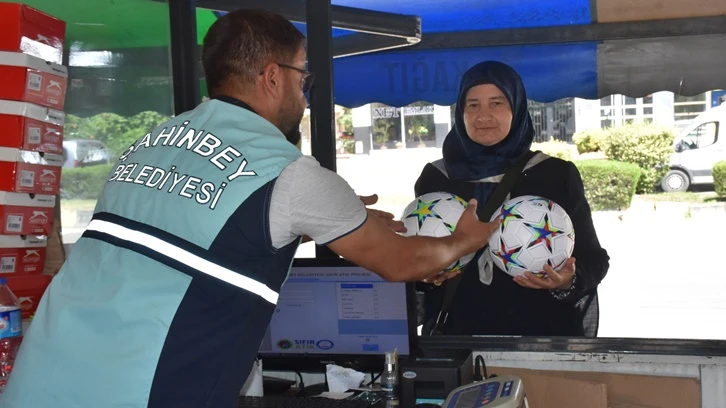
(389, 376)
(11, 331)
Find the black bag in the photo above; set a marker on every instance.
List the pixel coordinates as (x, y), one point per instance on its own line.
(485, 213)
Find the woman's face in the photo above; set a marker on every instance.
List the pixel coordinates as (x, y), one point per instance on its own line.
(487, 115)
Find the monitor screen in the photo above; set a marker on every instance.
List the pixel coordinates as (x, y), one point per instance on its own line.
(334, 311)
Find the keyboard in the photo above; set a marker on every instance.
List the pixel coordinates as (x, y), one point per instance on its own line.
(279, 401)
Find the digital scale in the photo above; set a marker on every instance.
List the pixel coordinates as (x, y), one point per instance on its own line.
(498, 392)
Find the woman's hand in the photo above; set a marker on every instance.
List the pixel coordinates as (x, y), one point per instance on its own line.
(554, 280)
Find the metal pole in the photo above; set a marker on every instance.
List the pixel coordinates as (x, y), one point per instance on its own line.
(320, 62)
(322, 105)
(184, 58)
(403, 129)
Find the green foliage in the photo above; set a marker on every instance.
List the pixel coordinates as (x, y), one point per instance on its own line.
(383, 130)
(346, 120)
(719, 178)
(136, 127)
(115, 131)
(648, 146)
(555, 148)
(85, 183)
(609, 185)
(589, 140)
(348, 145)
(73, 128)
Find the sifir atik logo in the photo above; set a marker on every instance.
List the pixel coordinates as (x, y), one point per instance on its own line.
(284, 344)
(305, 344)
(323, 344)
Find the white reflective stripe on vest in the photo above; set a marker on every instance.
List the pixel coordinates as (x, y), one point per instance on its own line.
(187, 258)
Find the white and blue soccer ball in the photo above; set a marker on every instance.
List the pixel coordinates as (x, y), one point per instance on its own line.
(436, 215)
(534, 232)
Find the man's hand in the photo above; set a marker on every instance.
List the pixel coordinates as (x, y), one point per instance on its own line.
(472, 233)
(442, 277)
(386, 217)
(468, 224)
(397, 258)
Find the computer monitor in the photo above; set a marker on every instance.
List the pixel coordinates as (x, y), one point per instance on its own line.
(331, 311)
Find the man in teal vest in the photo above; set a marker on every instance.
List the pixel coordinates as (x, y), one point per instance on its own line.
(165, 299)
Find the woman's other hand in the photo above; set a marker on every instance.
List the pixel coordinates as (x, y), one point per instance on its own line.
(554, 280)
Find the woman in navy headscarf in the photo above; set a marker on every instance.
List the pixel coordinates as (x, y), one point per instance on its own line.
(492, 132)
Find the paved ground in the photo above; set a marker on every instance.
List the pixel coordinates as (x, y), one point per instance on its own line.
(667, 277)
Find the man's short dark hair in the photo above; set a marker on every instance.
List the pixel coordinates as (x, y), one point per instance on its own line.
(241, 43)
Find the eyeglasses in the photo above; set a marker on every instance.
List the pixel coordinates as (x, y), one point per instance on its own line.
(307, 79)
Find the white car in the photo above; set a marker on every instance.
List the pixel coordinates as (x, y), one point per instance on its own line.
(701, 144)
(84, 152)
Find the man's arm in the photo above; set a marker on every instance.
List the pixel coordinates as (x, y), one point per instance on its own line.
(383, 216)
(309, 200)
(398, 258)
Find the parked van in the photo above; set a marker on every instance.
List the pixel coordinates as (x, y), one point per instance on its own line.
(701, 144)
(84, 152)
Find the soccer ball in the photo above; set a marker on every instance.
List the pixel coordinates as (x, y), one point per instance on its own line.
(534, 232)
(436, 215)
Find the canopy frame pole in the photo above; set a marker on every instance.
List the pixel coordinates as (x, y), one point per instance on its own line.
(322, 98)
(184, 54)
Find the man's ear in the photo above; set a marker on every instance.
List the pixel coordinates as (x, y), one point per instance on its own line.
(271, 78)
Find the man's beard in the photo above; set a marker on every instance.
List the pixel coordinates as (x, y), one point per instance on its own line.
(290, 124)
(293, 136)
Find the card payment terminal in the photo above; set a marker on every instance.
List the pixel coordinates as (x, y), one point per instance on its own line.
(497, 392)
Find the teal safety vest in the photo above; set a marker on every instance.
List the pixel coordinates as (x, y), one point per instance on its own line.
(165, 299)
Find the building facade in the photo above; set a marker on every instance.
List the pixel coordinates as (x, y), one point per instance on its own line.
(381, 127)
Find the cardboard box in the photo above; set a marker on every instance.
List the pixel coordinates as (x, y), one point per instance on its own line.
(30, 79)
(22, 255)
(26, 214)
(546, 391)
(30, 31)
(23, 171)
(623, 390)
(645, 390)
(31, 127)
(29, 289)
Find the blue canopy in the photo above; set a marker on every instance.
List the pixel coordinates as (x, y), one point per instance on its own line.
(590, 70)
(550, 72)
(468, 15)
(398, 78)
(134, 34)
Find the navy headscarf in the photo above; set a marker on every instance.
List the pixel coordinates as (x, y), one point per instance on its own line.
(467, 160)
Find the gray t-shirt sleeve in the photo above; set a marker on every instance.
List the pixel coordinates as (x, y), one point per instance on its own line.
(308, 199)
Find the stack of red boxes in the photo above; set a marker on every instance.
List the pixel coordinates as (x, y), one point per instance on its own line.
(32, 94)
